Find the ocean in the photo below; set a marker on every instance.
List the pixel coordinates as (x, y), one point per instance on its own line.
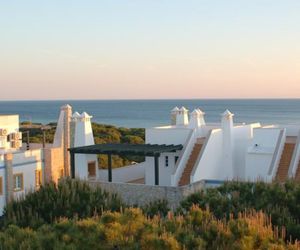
(149, 113)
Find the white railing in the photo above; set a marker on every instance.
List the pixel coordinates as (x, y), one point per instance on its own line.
(277, 154)
(295, 159)
(184, 157)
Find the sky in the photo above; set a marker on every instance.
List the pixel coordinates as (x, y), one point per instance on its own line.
(149, 49)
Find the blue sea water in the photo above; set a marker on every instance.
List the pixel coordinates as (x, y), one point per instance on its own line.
(149, 113)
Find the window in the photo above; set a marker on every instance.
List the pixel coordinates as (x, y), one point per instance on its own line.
(18, 182)
(167, 161)
(1, 185)
(176, 159)
(38, 178)
(92, 169)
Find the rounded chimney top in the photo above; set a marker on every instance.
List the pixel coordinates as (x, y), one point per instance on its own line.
(85, 115)
(183, 109)
(175, 110)
(195, 112)
(67, 106)
(200, 112)
(227, 113)
(76, 115)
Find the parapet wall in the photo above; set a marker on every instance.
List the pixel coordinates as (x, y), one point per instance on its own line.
(139, 194)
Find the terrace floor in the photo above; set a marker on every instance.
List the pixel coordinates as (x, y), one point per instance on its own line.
(138, 181)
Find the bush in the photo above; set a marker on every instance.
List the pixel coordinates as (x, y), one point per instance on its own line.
(159, 207)
(280, 201)
(70, 198)
(131, 229)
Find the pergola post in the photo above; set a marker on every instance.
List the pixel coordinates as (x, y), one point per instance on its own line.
(109, 168)
(156, 169)
(72, 162)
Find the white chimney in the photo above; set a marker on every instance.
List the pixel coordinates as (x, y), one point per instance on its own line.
(182, 117)
(227, 131)
(83, 136)
(174, 113)
(197, 119)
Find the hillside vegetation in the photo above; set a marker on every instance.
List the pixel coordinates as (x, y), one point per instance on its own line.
(102, 134)
(235, 215)
(131, 229)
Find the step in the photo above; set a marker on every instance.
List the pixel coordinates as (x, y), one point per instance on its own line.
(285, 160)
(185, 177)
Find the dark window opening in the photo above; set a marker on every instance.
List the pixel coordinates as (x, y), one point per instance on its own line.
(167, 161)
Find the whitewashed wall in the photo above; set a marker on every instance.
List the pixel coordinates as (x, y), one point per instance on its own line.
(241, 136)
(165, 172)
(210, 165)
(25, 163)
(259, 158)
(11, 124)
(167, 135)
(164, 135)
(124, 174)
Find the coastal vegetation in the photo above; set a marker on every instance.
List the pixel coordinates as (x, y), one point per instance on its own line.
(131, 229)
(68, 199)
(281, 201)
(102, 134)
(73, 215)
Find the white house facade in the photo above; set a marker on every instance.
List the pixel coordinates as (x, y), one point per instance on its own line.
(24, 168)
(219, 151)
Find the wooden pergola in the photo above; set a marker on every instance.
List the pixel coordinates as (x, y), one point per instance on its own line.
(152, 150)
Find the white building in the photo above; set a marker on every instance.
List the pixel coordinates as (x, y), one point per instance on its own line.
(222, 151)
(20, 170)
(23, 170)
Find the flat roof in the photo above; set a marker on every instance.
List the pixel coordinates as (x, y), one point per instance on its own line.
(126, 149)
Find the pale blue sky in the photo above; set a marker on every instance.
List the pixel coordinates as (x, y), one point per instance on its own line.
(149, 49)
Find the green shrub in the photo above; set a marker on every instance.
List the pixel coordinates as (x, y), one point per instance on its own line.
(158, 207)
(131, 229)
(70, 198)
(281, 201)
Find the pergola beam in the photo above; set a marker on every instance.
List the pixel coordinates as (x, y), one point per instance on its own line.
(152, 150)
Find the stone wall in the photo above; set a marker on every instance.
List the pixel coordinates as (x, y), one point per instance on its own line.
(54, 164)
(9, 185)
(139, 194)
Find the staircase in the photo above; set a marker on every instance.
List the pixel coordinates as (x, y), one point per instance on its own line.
(186, 175)
(285, 161)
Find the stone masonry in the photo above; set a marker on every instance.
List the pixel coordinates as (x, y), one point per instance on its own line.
(9, 185)
(139, 194)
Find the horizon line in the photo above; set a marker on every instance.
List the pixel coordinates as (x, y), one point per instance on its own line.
(153, 99)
